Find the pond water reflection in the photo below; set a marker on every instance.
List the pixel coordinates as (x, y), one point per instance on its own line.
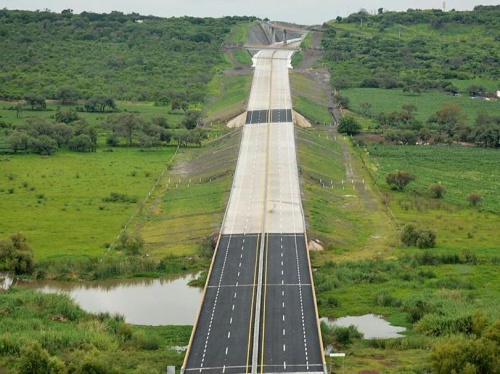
(155, 302)
(371, 325)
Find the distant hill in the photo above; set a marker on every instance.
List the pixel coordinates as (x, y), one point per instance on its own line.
(419, 49)
(130, 57)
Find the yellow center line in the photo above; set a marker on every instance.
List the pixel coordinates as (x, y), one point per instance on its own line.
(252, 305)
(264, 308)
(266, 248)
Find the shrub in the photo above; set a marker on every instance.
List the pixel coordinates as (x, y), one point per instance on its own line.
(384, 298)
(416, 307)
(412, 236)
(333, 302)
(35, 359)
(437, 191)
(399, 180)
(134, 244)
(342, 101)
(115, 197)
(474, 199)
(16, 255)
(345, 336)
(349, 126)
(465, 356)
(340, 336)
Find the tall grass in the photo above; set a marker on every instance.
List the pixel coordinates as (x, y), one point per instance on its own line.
(77, 338)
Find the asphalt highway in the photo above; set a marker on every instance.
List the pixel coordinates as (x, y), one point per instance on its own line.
(258, 313)
(223, 339)
(290, 337)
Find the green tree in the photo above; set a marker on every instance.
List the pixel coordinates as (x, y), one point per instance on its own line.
(160, 121)
(68, 95)
(62, 134)
(349, 125)
(43, 145)
(191, 119)
(81, 143)
(176, 104)
(475, 90)
(127, 125)
(35, 101)
(99, 103)
(18, 141)
(398, 180)
(19, 109)
(449, 117)
(66, 116)
(82, 127)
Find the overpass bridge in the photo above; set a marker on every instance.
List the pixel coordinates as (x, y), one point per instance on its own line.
(258, 313)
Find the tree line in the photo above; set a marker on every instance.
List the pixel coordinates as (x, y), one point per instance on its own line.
(67, 129)
(447, 125)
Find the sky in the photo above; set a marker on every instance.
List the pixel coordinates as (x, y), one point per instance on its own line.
(306, 12)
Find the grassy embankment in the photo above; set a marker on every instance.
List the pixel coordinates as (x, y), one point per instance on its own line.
(240, 35)
(309, 99)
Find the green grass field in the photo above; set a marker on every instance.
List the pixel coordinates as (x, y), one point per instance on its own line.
(463, 170)
(146, 110)
(427, 103)
(57, 201)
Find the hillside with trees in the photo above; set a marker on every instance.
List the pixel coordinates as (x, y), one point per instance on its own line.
(127, 56)
(421, 76)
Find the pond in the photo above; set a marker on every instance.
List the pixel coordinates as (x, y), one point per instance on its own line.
(154, 302)
(370, 325)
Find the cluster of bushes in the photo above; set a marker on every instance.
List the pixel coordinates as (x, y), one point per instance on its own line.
(339, 336)
(42, 136)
